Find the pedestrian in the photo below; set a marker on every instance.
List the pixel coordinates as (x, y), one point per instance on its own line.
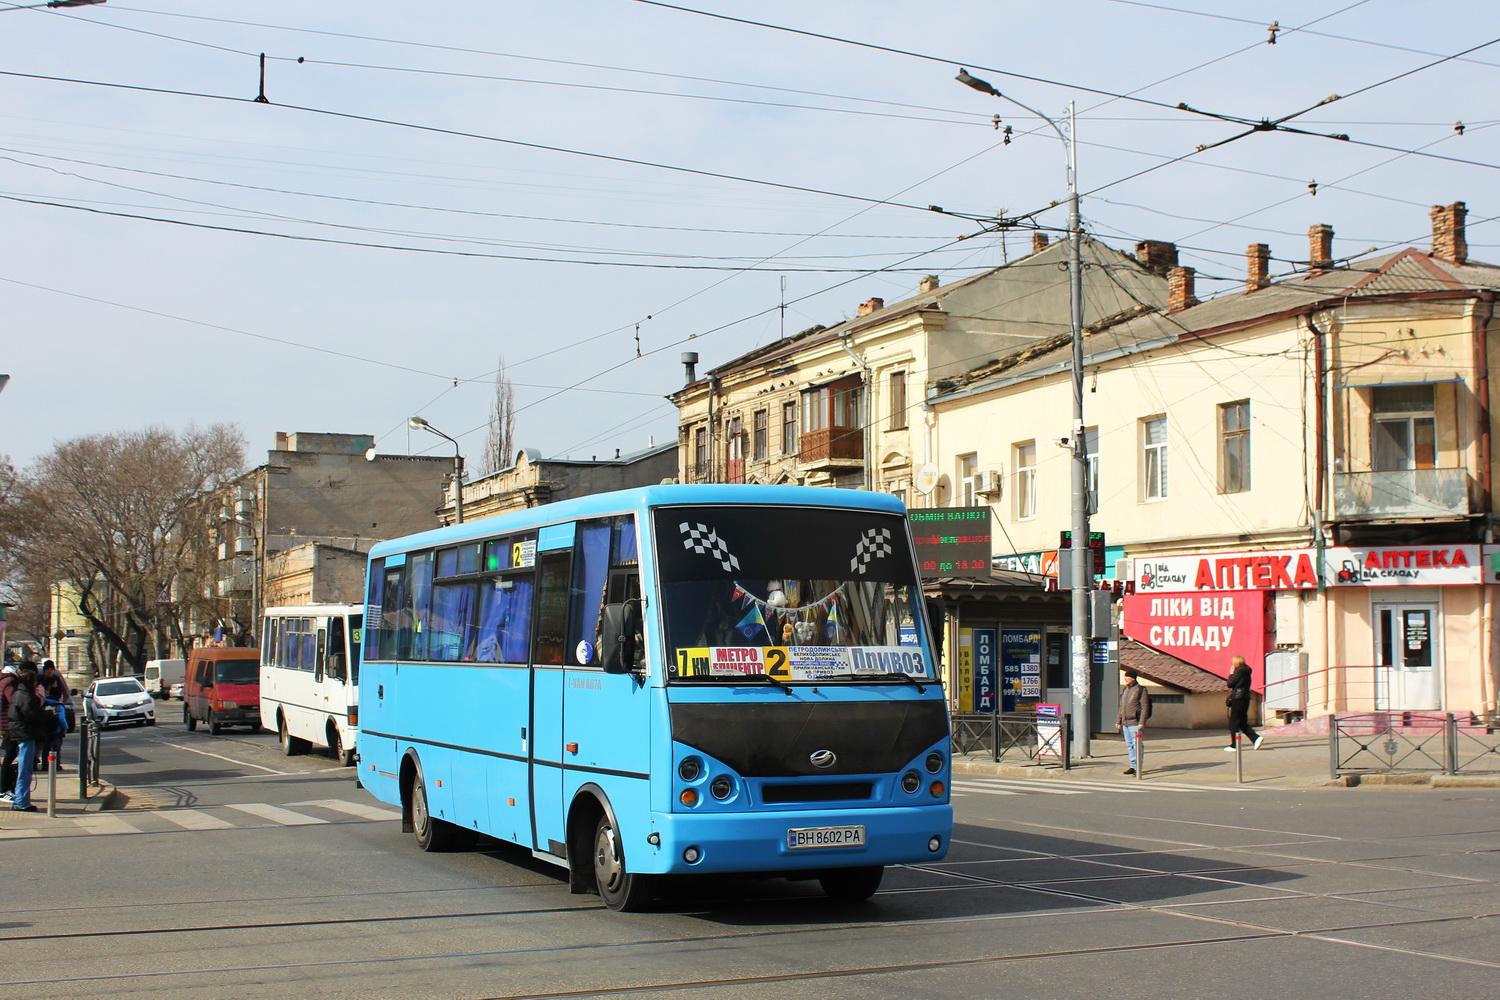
(7, 745)
(1135, 709)
(29, 724)
(1239, 705)
(60, 699)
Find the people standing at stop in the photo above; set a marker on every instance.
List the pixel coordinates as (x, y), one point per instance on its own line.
(59, 698)
(8, 761)
(29, 724)
(1239, 704)
(1135, 709)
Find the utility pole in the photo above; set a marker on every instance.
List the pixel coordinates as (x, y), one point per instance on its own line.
(1080, 556)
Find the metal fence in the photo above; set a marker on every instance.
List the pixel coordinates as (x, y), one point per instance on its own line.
(1012, 735)
(89, 733)
(1415, 742)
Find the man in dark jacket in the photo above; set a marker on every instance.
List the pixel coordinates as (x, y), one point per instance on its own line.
(7, 746)
(1135, 709)
(1239, 704)
(29, 724)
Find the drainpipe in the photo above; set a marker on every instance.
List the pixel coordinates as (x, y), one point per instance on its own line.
(713, 388)
(869, 409)
(1489, 675)
(1482, 315)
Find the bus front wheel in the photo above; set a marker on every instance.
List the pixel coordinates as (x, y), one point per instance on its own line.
(851, 885)
(622, 890)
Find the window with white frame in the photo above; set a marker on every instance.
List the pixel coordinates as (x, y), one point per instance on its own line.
(968, 480)
(1154, 458)
(1025, 462)
(1403, 428)
(1234, 446)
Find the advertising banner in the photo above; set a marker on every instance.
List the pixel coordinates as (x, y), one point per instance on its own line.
(1204, 630)
(1297, 569)
(1020, 666)
(986, 670)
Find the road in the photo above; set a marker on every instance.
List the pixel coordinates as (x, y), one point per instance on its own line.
(237, 872)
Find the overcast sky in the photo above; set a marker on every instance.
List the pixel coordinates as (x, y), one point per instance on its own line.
(581, 186)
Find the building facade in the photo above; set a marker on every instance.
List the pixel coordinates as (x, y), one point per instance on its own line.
(1299, 473)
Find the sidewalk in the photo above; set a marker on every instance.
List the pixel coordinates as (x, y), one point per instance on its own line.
(1196, 756)
(15, 824)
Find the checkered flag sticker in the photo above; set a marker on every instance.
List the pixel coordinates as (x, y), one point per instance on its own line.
(706, 541)
(874, 544)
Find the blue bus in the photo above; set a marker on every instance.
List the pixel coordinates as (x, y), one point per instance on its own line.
(672, 680)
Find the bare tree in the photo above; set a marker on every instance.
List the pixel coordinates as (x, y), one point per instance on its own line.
(499, 442)
(119, 518)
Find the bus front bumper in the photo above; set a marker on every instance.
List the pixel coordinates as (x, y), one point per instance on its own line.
(763, 842)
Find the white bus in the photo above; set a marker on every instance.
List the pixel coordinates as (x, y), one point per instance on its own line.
(309, 676)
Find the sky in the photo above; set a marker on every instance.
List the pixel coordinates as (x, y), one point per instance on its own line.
(585, 189)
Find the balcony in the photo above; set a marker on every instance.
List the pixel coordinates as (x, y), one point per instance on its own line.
(832, 448)
(1402, 493)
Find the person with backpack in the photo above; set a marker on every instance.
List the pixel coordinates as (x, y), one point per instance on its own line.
(30, 723)
(1135, 709)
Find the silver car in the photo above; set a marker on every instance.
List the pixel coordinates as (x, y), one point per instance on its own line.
(116, 701)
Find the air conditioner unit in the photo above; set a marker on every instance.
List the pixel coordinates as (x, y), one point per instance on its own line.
(223, 551)
(1125, 569)
(987, 481)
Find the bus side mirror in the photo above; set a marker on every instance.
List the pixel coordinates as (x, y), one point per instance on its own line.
(619, 630)
(937, 620)
(334, 666)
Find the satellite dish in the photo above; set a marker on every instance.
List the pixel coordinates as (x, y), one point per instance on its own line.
(927, 478)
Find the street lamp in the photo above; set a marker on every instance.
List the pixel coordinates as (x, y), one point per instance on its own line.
(418, 424)
(1080, 556)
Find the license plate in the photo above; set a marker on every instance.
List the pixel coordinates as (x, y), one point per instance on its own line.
(825, 836)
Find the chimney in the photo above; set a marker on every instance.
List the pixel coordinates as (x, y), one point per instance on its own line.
(1258, 266)
(1319, 249)
(1448, 239)
(1156, 256)
(1039, 242)
(1180, 289)
(689, 362)
(281, 441)
(865, 308)
(928, 283)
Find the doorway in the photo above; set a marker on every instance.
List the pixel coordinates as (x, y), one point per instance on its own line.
(1407, 674)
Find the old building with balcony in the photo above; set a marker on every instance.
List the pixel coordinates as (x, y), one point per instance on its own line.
(842, 404)
(1299, 472)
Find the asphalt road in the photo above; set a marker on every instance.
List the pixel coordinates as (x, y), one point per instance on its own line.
(237, 872)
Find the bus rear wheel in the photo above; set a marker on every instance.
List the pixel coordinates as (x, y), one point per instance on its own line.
(345, 757)
(434, 834)
(621, 889)
(852, 885)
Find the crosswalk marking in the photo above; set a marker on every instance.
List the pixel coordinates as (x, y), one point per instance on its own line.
(352, 808)
(193, 819)
(101, 824)
(284, 817)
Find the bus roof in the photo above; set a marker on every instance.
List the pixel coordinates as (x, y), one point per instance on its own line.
(627, 501)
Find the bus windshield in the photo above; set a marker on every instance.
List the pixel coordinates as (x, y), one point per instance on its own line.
(788, 594)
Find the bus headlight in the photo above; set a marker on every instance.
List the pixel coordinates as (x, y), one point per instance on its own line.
(721, 787)
(911, 781)
(691, 769)
(934, 762)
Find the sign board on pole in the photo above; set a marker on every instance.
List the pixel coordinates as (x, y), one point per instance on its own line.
(1049, 731)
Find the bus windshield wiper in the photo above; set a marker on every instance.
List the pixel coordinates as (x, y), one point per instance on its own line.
(767, 677)
(895, 675)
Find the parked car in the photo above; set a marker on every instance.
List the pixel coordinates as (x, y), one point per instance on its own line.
(115, 701)
(222, 689)
(162, 674)
(177, 691)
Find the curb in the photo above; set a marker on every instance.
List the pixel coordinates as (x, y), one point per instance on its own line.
(1415, 781)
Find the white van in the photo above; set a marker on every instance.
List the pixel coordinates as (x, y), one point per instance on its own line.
(162, 674)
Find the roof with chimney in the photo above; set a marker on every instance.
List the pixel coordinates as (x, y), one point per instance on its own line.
(1403, 274)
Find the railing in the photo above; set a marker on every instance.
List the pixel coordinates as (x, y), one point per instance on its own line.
(89, 752)
(1402, 493)
(1349, 688)
(1015, 733)
(1416, 742)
